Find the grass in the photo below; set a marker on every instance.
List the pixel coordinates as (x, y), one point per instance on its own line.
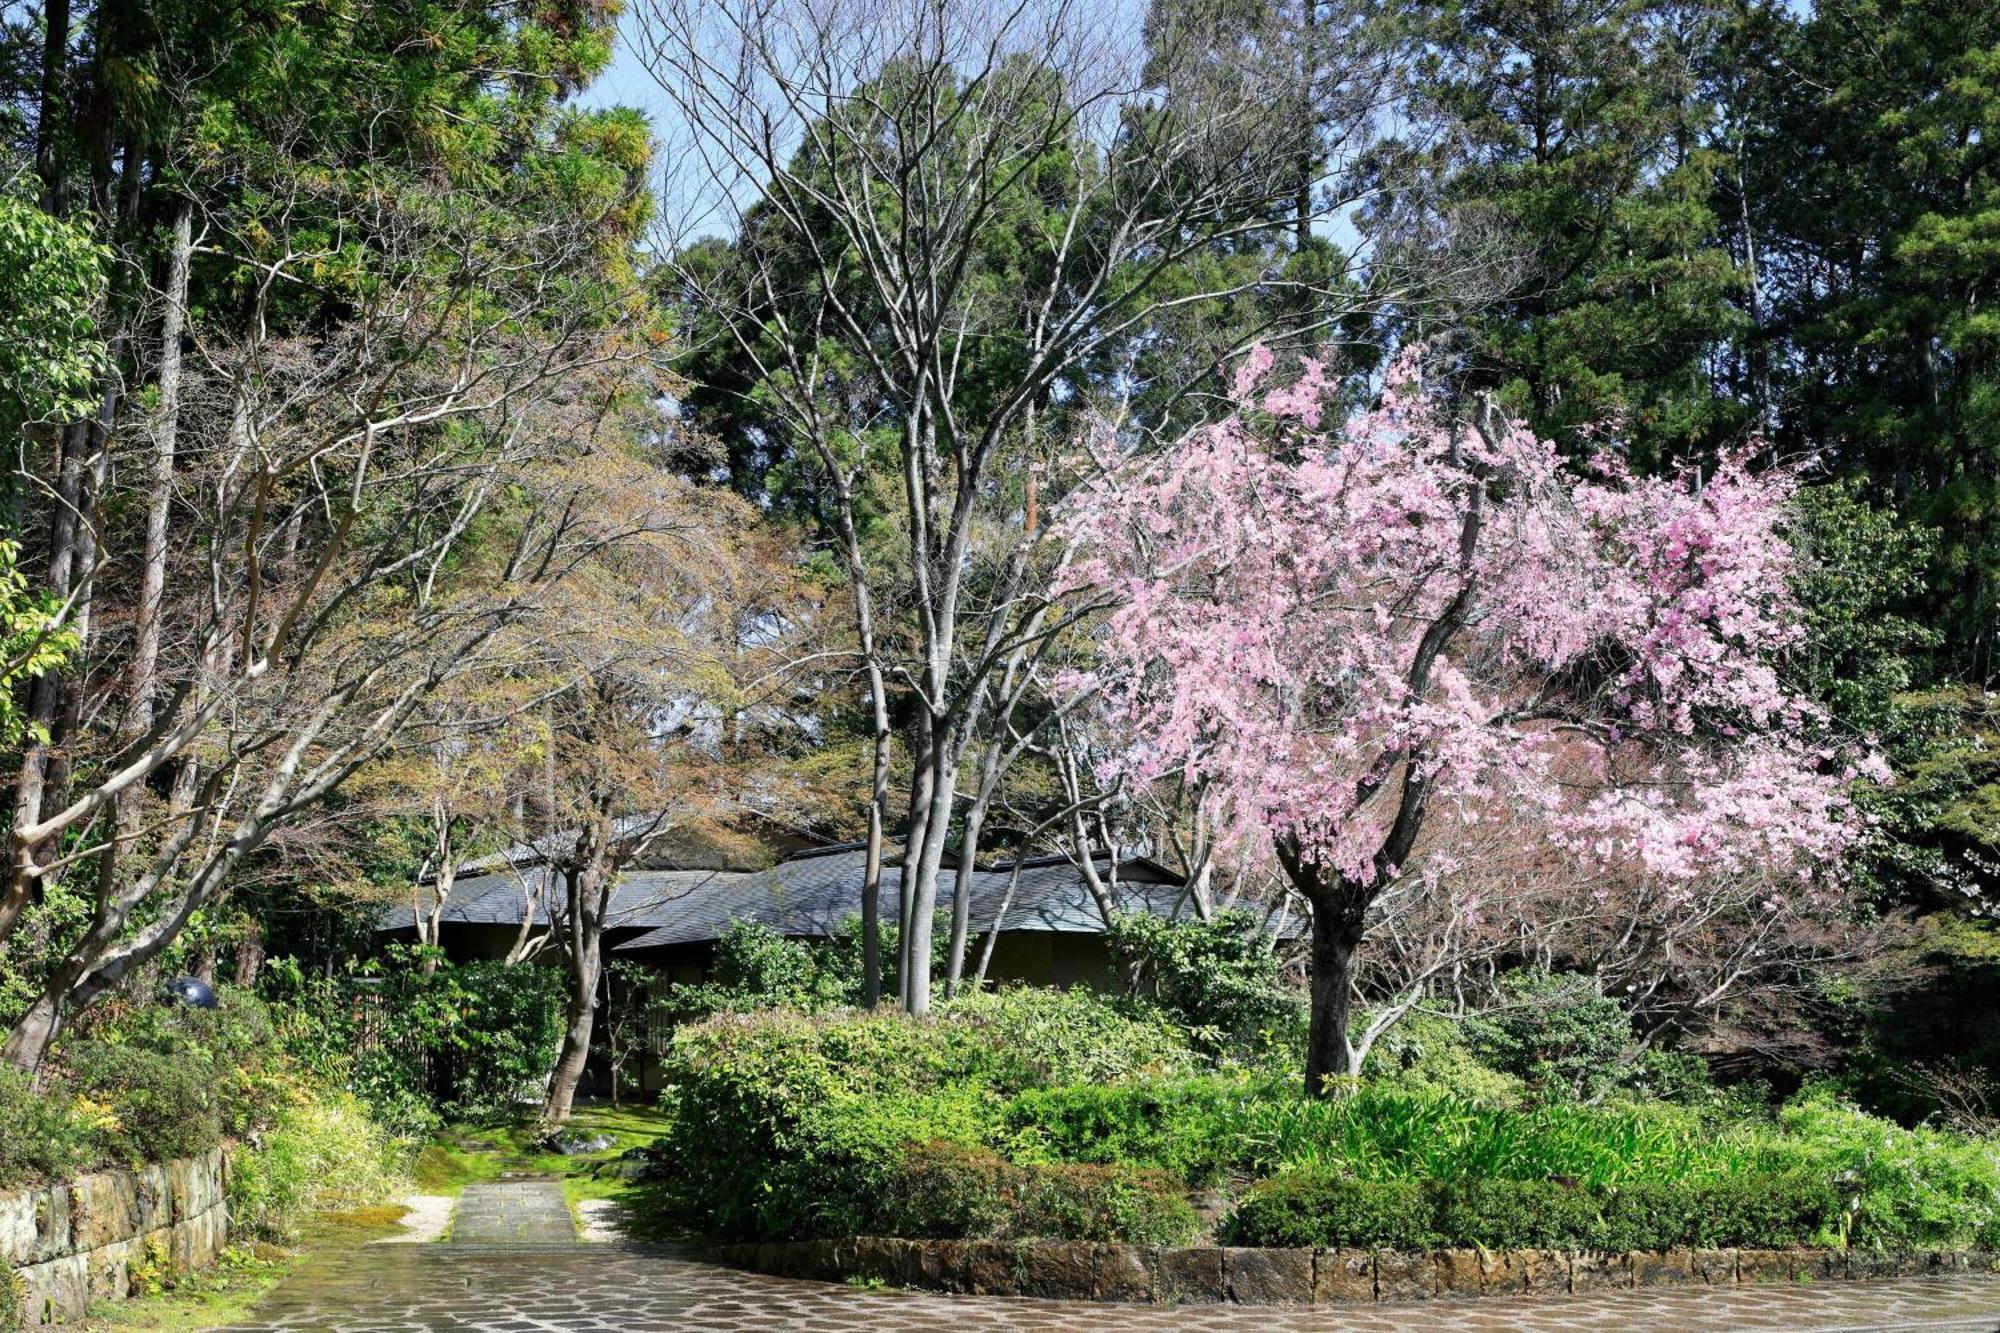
(472, 1154)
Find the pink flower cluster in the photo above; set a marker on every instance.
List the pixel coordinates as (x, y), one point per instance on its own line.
(1608, 642)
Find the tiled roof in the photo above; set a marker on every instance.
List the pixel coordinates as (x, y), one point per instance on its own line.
(809, 895)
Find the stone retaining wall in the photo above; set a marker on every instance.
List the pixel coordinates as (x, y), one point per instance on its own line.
(96, 1237)
(1149, 1274)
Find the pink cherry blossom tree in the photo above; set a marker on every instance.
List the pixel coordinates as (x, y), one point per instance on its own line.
(1354, 630)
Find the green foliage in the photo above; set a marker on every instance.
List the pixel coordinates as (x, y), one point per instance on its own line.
(786, 1123)
(1219, 978)
(757, 968)
(33, 639)
(322, 1151)
(162, 1106)
(1905, 1187)
(464, 1041)
(1556, 1033)
(953, 1192)
(42, 1137)
(50, 354)
(1194, 1128)
(1755, 1209)
(1426, 1053)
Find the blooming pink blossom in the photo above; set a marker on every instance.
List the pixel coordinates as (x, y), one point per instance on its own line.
(1608, 641)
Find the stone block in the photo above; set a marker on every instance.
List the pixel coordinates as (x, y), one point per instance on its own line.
(1763, 1267)
(1058, 1270)
(1261, 1276)
(1460, 1273)
(104, 1207)
(993, 1268)
(1402, 1275)
(1547, 1271)
(1819, 1266)
(1503, 1272)
(1190, 1275)
(1715, 1268)
(1982, 1261)
(18, 1233)
(1344, 1277)
(1123, 1273)
(1599, 1270)
(876, 1258)
(937, 1264)
(1661, 1268)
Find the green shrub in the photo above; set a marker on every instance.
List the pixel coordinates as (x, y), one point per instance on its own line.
(466, 1041)
(1304, 1208)
(1427, 1054)
(165, 1106)
(1557, 1033)
(1195, 1128)
(232, 1045)
(321, 1152)
(1907, 1188)
(954, 1192)
(785, 1123)
(1760, 1210)
(1219, 978)
(41, 1138)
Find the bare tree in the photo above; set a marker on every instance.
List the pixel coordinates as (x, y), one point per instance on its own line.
(316, 594)
(866, 161)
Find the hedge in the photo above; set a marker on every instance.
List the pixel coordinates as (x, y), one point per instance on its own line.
(945, 1191)
(1763, 1210)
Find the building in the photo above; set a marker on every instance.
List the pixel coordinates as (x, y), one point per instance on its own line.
(669, 914)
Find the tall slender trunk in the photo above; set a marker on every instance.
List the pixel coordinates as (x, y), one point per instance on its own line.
(871, 873)
(585, 888)
(921, 777)
(143, 676)
(968, 862)
(921, 862)
(52, 113)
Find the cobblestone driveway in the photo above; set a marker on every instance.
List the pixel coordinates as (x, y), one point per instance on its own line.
(542, 1281)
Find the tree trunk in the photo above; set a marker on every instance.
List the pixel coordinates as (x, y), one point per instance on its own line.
(582, 1016)
(871, 874)
(1336, 940)
(921, 862)
(250, 955)
(51, 116)
(921, 778)
(143, 677)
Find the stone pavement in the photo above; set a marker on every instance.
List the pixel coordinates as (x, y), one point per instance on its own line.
(540, 1280)
(513, 1212)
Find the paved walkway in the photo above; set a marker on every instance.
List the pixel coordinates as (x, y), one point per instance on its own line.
(513, 1212)
(539, 1278)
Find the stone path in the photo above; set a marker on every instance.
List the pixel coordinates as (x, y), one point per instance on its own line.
(513, 1212)
(539, 1278)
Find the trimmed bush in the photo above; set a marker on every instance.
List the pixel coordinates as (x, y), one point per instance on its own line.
(787, 1125)
(1759, 1210)
(40, 1139)
(1303, 1208)
(947, 1191)
(164, 1106)
(1195, 1128)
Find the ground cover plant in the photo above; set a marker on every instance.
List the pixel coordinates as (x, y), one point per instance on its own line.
(1066, 1115)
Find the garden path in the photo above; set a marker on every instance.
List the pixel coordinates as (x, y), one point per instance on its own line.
(513, 1266)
